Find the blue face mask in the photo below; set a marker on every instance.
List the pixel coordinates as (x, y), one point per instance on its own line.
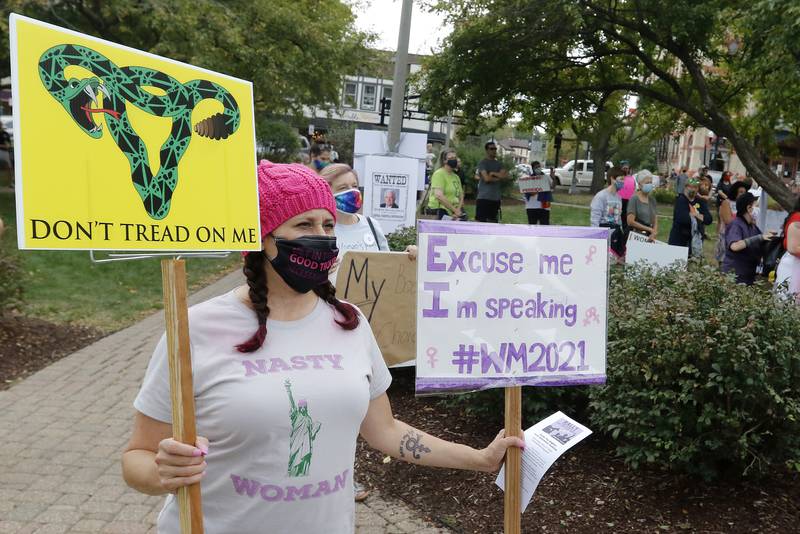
(648, 188)
(619, 184)
(319, 165)
(348, 201)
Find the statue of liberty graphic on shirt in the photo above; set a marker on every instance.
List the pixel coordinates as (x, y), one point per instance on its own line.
(301, 439)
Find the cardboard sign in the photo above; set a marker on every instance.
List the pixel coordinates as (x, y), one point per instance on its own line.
(510, 305)
(383, 286)
(118, 149)
(657, 254)
(390, 191)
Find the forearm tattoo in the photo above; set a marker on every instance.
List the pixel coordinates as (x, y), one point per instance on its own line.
(412, 443)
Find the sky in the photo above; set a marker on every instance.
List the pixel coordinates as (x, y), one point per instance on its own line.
(383, 18)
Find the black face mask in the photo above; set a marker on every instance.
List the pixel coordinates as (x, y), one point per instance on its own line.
(452, 163)
(303, 263)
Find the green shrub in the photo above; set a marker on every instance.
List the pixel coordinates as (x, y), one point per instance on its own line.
(703, 374)
(664, 196)
(401, 238)
(10, 281)
(537, 403)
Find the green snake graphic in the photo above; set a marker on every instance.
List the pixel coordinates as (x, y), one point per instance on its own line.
(81, 99)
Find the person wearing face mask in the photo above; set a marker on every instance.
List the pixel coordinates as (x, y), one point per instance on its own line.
(689, 214)
(286, 377)
(727, 213)
(447, 193)
(744, 242)
(642, 209)
(606, 211)
(320, 157)
(353, 230)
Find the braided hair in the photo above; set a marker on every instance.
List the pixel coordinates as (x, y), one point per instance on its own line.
(256, 276)
(350, 316)
(257, 281)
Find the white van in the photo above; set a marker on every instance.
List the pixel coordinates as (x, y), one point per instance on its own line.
(585, 168)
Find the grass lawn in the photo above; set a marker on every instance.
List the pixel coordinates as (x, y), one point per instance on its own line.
(64, 286)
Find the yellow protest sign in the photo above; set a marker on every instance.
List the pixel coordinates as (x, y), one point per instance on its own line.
(118, 149)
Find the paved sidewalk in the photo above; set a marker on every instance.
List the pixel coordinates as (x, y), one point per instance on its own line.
(62, 431)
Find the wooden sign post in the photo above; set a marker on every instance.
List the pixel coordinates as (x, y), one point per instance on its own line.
(176, 314)
(505, 306)
(513, 479)
(97, 208)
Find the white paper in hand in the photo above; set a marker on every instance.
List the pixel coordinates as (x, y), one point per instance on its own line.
(544, 443)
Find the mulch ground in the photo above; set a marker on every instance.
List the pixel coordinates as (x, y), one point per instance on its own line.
(27, 345)
(587, 490)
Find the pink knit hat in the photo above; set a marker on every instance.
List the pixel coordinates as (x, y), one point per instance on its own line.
(286, 190)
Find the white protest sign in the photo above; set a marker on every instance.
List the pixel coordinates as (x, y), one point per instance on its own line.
(545, 442)
(390, 191)
(501, 305)
(376, 143)
(658, 254)
(534, 184)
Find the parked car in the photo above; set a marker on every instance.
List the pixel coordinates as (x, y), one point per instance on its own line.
(305, 146)
(264, 150)
(585, 169)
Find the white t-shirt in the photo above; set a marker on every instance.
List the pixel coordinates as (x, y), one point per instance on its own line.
(533, 203)
(358, 236)
(282, 422)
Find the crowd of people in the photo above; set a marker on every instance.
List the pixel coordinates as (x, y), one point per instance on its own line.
(742, 248)
(628, 204)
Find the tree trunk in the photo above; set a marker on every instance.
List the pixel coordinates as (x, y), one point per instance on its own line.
(600, 155)
(759, 170)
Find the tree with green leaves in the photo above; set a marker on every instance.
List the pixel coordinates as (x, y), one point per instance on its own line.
(721, 64)
(295, 52)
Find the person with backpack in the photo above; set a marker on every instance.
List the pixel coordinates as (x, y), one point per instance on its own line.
(787, 276)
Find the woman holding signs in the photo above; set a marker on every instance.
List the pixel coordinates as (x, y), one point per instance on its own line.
(280, 411)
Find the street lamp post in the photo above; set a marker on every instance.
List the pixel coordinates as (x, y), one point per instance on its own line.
(399, 81)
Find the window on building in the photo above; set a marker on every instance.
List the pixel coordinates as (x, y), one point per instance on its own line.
(349, 95)
(368, 97)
